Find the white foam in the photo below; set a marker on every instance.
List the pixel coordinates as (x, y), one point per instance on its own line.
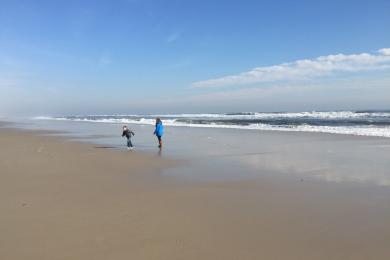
(249, 115)
(313, 115)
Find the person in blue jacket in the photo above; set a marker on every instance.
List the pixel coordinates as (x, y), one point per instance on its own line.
(159, 131)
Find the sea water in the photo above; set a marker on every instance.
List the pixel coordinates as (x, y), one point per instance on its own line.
(364, 123)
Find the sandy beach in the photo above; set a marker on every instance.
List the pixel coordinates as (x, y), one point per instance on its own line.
(194, 130)
(69, 200)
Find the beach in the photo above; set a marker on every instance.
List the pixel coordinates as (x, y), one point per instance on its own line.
(194, 130)
(260, 195)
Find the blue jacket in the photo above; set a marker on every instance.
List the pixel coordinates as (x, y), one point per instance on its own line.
(159, 129)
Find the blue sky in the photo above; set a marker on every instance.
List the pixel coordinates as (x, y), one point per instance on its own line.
(144, 56)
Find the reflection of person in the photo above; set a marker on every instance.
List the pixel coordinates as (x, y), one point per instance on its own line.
(128, 133)
(159, 131)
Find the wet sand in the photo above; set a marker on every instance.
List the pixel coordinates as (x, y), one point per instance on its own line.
(68, 200)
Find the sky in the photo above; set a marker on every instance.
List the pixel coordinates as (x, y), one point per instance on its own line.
(192, 56)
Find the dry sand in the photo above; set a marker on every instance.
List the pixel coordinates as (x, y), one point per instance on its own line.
(66, 200)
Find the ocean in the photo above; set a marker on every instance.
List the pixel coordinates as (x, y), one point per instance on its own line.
(363, 123)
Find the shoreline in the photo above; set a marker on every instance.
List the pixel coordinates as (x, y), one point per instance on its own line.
(327, 157)
(69, 200)
(281, 131)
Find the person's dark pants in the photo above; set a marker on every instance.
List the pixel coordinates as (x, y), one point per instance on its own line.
(159, 141)
(129, 144)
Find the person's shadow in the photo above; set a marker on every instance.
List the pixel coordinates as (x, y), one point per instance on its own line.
(105, 147)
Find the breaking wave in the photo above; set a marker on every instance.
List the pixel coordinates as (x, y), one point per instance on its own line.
(365, 123)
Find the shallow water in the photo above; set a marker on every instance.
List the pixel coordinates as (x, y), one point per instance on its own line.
(211, 154)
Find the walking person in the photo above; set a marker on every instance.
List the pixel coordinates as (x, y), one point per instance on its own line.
(159, 131)
(128, 134)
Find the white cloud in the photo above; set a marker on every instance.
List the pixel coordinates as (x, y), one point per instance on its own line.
(305, 69)
(385, 51)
